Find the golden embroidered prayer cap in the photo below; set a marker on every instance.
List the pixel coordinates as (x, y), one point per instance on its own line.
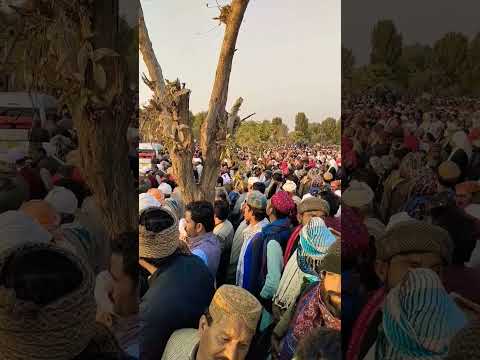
(235, 302)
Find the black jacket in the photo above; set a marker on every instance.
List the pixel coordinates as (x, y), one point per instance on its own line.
(180, 291)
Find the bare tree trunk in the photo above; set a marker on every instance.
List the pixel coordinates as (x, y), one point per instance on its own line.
(213, 133)
(180, 144)
(104, 161)
(172, 103)
(102, 135)
(149, 58)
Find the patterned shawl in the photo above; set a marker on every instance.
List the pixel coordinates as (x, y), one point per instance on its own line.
(311, 313)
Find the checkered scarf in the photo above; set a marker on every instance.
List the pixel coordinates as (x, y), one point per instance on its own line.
(315, 239)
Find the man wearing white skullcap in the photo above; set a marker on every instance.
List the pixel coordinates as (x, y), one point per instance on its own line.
(63, 200)
(165, 189)
(18, 228)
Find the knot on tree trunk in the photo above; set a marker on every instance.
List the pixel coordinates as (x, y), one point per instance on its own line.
(224, 14)
(174, 116)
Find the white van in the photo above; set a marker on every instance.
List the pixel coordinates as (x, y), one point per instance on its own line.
(18, 110)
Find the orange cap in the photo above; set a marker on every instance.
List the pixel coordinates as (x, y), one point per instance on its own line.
(43, 212)
(157, 194)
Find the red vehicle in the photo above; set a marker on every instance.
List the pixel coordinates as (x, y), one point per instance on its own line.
(18, 110)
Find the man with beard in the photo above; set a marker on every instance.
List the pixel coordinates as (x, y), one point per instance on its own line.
(319, 256)
(199, 226)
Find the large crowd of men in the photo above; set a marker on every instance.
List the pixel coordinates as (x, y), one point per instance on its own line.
(253, 275)
(410, 221)
(67, 290)
(398, 209)
(381, 234)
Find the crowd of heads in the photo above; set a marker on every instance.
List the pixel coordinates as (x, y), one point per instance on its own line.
(68, 289)
(410, 224)
(382, 235)
(262, 261)
(400, 202)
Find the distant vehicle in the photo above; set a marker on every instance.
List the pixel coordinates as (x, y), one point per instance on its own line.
(18, 110)
(148, 150)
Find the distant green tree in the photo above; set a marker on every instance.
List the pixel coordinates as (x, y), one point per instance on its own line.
(277, 121)
(297, 136)
(338, 132)
(450, 59)
(198, 120)
(369, 76)
(279, 129)
(417, 57)
(266, 131)
(472, 77)
(328, 127)
(301, 124)
(283, 132)
(386, 43)
(348, 63)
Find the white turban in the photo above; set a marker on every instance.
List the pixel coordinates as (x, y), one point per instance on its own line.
(289, 186)
(62, 200)
(165, 189)
(146, 201)
(19, 228)
(253, 180)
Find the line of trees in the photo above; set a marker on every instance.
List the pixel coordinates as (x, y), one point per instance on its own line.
(275, 131)
(451, 66)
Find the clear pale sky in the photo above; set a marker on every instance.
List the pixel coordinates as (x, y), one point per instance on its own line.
(423, 21)
(288, 57)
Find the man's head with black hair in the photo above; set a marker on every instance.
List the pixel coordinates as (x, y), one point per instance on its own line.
(156, 219)
(41, 152)
(125, 273)
(277, 177)
(20, 163)
(332, 199)
(221, 210)
(259, 186)
(199, 218)
(41, 276)
(320, 344)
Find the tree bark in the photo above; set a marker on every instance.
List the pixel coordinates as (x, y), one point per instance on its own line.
(104, 162)
(102, 135)
(175, 117)
(213, 133)
(149, 58)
